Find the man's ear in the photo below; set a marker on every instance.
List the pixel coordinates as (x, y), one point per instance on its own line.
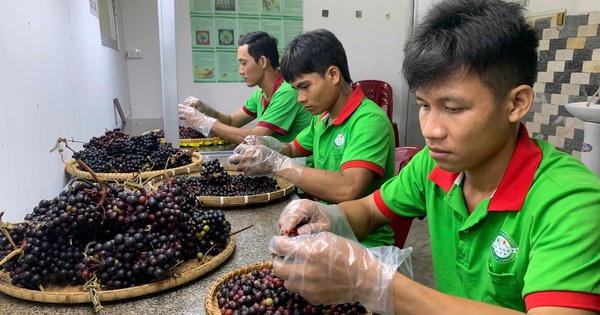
(333, 74)
(263, 62)
(521, 99)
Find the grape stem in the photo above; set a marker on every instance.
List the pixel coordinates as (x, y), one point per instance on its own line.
(240, 230)
(96, 178)
(12, 254)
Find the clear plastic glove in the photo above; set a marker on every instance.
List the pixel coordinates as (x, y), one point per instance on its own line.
(310, 217)
(267, 141)
(199, 105)
(196, 119)
(258, 160)
(326, 268)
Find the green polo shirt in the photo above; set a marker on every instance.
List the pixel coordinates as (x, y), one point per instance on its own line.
(362, 136)
(535, 242)
(282, 113)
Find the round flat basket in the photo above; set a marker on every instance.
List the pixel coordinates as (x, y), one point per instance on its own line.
(198, 142)
(212, 305)
(71, 294)
(285, 188)
(72, 168)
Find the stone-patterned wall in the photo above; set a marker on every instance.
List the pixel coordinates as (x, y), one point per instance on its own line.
(569, 71)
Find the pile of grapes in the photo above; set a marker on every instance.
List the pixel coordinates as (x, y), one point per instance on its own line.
(262, 292)
(184, 133)
(215, 181)
(117, 152)
(110, 235)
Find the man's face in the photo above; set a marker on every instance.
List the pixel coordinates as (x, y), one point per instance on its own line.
(315, 93)
(249, 69)
(462, 126)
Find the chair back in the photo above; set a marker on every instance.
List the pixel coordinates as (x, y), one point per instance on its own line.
(381, 93)
(402, 227)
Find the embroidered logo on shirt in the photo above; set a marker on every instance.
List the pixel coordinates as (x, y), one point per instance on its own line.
(339, 140)
(504, 248)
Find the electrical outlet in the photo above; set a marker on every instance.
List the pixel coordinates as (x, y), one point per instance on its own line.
(134, 54)
(325, 13)
(358, 14)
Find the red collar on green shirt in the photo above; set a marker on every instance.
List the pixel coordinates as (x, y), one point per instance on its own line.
(353, 102)
(514, 186)
(278, 81)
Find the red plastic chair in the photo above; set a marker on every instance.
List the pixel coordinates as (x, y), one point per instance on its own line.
(381, 93)
(402, 227)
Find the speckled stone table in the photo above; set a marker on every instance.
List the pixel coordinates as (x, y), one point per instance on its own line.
(252, 246)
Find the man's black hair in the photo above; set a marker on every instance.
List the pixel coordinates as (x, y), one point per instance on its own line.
(490, 38)
(261, 44)
(314, 51)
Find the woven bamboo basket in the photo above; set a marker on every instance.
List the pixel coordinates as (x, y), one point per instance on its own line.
(285, 188)
(72, 168)
(210, 302)
(199, 142)
(72, 294)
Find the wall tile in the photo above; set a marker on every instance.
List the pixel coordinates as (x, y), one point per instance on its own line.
(568, 32)
(580, 78)
(546, 77)
(549, 109)
(563, 54)
(558, 142)
(576, 20)
(591, 66)
(550, 33)
(574, 43)
(592, 42)
(556, 66)
(565, 132)
(560, 99)
(574, 66)
(577, 98)
(533, 126)
(588, 90)
(590, 30)
(553, 88)
(595, 78)
(582, 54)
(539, 87)
(560, 43)
(570, 89)
(572, 122)
(596, 54)
(561, 77)
(546, 55)
(544, 119)
(543, 23)
(594, 18)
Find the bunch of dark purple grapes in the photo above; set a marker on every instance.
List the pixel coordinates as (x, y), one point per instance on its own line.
(117, 237)
(215, 181)
(184, 133)
(116, 152)
(262, 292)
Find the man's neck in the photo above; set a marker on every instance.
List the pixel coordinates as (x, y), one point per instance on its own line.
(336, 109)
(268, 81)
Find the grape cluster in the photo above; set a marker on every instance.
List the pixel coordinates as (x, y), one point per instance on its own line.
(123, 239)
(184, 133)
(116, 152)
(262, 292)
(215, 181)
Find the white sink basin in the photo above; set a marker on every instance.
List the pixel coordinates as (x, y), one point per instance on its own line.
(586, 113)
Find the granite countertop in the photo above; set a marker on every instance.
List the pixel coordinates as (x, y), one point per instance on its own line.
(252, 246)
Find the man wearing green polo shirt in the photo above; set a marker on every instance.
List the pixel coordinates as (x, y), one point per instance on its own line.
(514, 223)
(350, 138)
(274, 105)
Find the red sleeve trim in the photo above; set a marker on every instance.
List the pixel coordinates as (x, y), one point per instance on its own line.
(247, 111)
(272, 127)
(378, 170)
(578, 300)
(383, 207)
(300, 148)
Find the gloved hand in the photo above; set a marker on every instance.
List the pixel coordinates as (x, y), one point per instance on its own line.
(199, 105)
(328, 269)
(258, 160)
(196, 119)
(267, 141)
(310, 217)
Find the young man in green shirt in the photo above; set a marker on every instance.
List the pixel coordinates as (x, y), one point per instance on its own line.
(514, 223)
(350, 138)
(274, 104)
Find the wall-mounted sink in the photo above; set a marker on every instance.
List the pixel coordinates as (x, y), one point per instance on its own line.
(586, 113)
